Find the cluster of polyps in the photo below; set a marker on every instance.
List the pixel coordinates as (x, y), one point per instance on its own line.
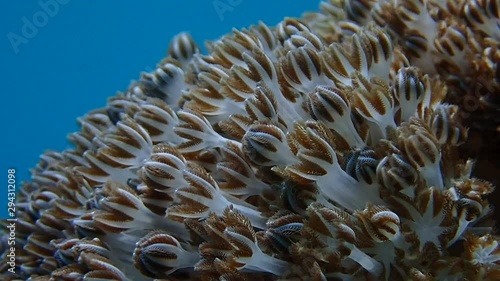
(455, 39)
(283, 154)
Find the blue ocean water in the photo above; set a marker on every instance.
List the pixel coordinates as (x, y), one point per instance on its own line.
(61, 58)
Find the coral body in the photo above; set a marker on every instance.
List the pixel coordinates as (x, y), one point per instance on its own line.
(319, 149)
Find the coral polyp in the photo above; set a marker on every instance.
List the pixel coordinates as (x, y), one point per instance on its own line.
(324, 148)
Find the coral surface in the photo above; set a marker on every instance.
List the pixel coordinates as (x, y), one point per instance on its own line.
(324, 148)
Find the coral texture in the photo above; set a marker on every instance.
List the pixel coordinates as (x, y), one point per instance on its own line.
(324, 148)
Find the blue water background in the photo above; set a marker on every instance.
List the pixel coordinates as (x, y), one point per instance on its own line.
(82, 52)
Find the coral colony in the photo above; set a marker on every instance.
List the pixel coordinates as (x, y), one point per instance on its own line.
(323, 148)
